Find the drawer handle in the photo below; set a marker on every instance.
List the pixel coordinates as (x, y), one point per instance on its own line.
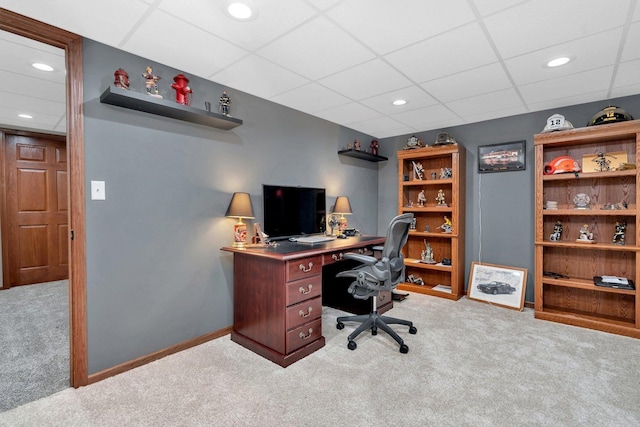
(304, 269)
(337, 257)
(304, 291)
(382, 297)
(306, 337)
(303, 314)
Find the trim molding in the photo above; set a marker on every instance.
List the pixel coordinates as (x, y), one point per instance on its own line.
(143, 360)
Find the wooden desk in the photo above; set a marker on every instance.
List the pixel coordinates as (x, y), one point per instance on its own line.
(277, 294)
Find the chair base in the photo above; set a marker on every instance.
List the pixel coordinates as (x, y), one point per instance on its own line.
(374, 321)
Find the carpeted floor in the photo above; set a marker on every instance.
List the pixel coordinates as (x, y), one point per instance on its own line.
(34, 342)
(471, 364)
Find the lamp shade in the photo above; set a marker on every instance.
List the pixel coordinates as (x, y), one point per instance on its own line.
(342, 205)
(240, 206)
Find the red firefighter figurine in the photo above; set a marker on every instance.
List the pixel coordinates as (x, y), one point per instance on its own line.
(182, 88)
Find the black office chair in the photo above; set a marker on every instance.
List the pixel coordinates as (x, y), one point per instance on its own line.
(378, 275)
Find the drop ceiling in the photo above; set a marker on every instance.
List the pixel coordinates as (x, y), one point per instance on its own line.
(346, 61)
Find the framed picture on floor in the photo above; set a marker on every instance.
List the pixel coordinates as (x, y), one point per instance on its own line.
(497, 285)
(504, 157)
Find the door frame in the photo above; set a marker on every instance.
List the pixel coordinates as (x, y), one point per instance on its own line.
(72, 45)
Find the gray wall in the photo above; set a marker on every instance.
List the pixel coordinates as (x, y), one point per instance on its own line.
(504, 200)
(155, 273)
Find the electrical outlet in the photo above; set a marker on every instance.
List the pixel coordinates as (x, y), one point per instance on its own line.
(98, 190)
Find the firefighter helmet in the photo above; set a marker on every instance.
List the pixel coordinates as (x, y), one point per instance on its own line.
(609, 114)
(562, 164)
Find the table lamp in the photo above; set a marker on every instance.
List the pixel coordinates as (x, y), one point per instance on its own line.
(342, 207)
(240, 207)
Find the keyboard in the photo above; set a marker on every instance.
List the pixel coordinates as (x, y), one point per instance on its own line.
(315, 239)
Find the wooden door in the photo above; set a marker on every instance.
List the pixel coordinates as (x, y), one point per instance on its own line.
(36, 218)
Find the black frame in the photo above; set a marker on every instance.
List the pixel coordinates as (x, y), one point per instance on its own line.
(504, 157)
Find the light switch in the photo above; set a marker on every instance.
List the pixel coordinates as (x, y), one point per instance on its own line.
(97, 190)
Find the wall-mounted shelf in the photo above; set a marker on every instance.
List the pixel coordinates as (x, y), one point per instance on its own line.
(358, 154)
(162, 107)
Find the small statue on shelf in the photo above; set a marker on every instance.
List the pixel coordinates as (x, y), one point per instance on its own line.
(356, 145)
(418, 170)
(374, 147)
(618, 236)
(445, 173)
(440, 199)
(427, 254)
(121, 79)
(586, 236)
(151, 82)
(224, 103)
(603, 164)
(412, 225)
(447, 227)
(557, 232)
(421, 198)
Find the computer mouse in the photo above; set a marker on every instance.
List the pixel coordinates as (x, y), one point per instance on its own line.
(342, 236)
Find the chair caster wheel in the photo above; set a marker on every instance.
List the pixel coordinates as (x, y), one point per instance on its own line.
(374, 330)
(413, 330)
(404, 349)
(352, 345)
(340, 325)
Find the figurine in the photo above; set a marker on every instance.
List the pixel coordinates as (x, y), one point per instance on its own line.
(445, 173)
(412, 226)
(418, 170)
(427, 254)
(581, 201)
(182, 89)
(356, 145)
(224, 103)
(415, 280)
(433, 175)
(374, 147)
(447, 227)
(410, 204)
(585, 235)
(151, 82)
(602, 162)
(618, 236)
(121, 79)
(440, 199)
(557, 232)
(421, 198)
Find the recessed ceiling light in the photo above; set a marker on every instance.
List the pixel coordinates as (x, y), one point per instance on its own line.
(240, 10)
(25, 116)
(42, 67)
(399, 102)
(561, 60)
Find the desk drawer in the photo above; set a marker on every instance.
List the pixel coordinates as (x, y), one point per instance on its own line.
(304, 267)
(303, 289)
(303, 335)
(304, 312)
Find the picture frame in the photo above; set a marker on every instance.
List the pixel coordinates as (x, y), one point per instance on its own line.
(497, 285)
(504, 157)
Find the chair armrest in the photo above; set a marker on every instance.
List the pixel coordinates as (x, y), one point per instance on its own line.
(364, 259)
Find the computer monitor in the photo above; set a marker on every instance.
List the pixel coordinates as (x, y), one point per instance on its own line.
(293, 211)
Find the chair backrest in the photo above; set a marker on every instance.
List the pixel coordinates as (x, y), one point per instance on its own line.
(397, 235)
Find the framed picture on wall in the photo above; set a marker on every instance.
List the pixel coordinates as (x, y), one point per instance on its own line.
(504, 157)
(497, 285)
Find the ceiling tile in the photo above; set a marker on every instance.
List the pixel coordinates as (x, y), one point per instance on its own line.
(159, 30)
(364, 80)
(557, 104)
(274, 18)
(493, 101)
(311, 98)
(465, 84)
(323, 4)
(481, 115)
(632, 43)
(259, 77)
(25, 101)
(412, 21)
(590, 52)
(488, 7)
(415, 97)
(379, 127)
(348, 113)
(42, 89)
(627, 74)
(539, 24)
(326, 49)
(423, 118)
(459, 50)
(567, 86)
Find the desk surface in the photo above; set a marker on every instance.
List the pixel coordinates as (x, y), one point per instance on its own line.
(286, 250)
